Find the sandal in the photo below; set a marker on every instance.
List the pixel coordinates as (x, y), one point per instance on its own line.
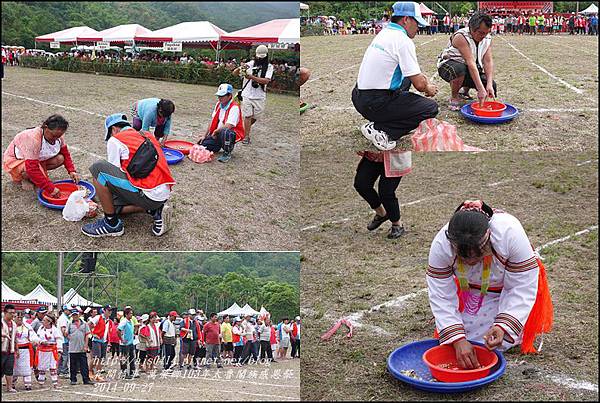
(454, 105)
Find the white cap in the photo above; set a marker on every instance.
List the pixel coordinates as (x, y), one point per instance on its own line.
(224, 89)
(192, 311)
(297, 317)
(262, 51)
(145, 317)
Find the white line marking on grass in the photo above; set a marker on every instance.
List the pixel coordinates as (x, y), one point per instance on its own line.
(500, 182)
(51, 104)
(342, 220)
(86, 152)
(579, 49)
(96, 395)
(570, 110)
(584, 231)
(356, 317)
(573, 383)
(558, 79)
(586, 162)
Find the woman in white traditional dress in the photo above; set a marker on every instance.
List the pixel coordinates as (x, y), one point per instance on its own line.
(51, 342)
(26, 339)
(486, 283)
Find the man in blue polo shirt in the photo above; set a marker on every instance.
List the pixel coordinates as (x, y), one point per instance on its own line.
(125, 332)
(388, 69)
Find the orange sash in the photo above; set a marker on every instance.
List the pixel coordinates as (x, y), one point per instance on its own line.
(44, 348)
(541, 316)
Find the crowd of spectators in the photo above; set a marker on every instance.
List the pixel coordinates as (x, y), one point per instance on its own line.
(503, 23)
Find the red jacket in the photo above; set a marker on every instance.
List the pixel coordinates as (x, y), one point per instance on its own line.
(161, 175)
(238, 129)
(113, 336)
(99, 328)
(294, 330)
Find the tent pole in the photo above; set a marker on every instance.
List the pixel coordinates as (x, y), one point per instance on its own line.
(59, 280)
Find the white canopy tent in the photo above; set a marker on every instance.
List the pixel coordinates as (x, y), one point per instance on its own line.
(119, 34)
(72, 298)
(8, 294)
(304, 6)
(592, 9)
(233, 310)
(43, 296)
(248, 310)
(194, 31)
(69, 35)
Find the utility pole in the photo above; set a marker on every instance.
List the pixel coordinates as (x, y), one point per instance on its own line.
(59, 280)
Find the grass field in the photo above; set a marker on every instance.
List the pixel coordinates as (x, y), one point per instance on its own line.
(250, 203)
(559, 106)
(257, 382)
(346, 270)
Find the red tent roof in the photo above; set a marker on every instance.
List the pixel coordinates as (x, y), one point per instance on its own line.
(426, 10)
(274, 31)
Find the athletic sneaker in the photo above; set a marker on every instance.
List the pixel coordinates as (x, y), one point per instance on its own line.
(224, 157)
(101, 228)
(396, 232)
(162, 220)
(377, 221)
(377, 137)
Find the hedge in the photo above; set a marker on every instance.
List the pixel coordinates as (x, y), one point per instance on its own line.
(192, 73)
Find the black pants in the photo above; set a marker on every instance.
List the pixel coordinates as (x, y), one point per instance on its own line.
(295, 348)
(453, 69)
(246, 352)
(78, 362)
(265, 350)
(394, 112)
(237, 352)
(169, 355)
(225, 140)
(128, 358)
(367, 173)
(114, 349)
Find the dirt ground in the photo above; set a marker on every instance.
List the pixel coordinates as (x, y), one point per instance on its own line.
(347, 270)
(553, 117)
(257, 382)
(250, 203)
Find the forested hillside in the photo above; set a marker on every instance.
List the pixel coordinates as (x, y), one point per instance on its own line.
(166, 281)
(23, 21)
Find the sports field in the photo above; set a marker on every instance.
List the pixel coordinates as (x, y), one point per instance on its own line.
(250, 203)
(380, 284)
(552, 80)
(257, 382)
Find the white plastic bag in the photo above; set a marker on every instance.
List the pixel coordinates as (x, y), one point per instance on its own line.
(76, 207)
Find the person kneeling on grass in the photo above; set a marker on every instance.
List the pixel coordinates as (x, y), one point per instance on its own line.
(388, 69)
(33, 152)
(467, 61)
(485, 257)
(226, 126)
(134, 179)
(153, 112)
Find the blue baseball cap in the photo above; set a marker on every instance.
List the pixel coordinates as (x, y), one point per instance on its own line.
(224, 89)
(113, 120)
(409, 9)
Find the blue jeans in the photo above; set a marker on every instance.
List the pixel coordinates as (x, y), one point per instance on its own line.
(63, 365)
(225, 140)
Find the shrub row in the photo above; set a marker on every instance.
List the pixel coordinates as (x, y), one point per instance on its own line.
(192, 73)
